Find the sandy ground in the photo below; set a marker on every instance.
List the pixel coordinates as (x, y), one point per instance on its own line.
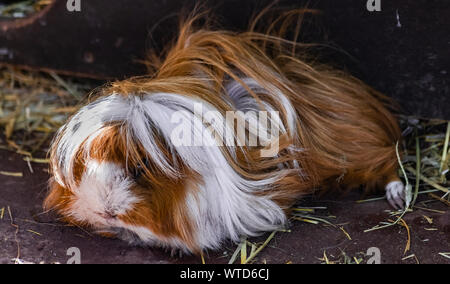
(37, 238)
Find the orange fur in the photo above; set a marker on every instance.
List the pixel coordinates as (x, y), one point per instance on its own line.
(345, 128)
(163, 209)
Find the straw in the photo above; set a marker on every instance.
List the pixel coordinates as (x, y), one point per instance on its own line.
(33, 106)
(445, 152)
(258, 250)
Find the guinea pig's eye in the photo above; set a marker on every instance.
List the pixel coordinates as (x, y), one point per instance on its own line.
(138, 171)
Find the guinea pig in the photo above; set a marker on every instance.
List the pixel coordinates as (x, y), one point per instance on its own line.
(227, 133)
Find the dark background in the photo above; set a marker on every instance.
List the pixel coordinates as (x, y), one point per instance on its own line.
(106, 40)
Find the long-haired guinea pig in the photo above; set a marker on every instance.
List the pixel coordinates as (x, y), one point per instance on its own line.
(220, 141)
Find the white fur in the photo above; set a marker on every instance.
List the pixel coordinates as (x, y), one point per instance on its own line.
(245, 102)
(104, 188)
(88, 123)
(396, 194)
(224, 204)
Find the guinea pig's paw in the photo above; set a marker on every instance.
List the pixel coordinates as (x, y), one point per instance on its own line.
(396, 194)
(122, 234)
(130, 237)
(107, 233)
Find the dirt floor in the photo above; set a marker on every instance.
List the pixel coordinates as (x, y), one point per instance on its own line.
(38, 238)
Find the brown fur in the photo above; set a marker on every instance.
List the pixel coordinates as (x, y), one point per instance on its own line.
(345, 126)
(347, 132)
(163, 211)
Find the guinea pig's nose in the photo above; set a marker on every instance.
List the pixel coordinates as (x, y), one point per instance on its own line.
(108, 215)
